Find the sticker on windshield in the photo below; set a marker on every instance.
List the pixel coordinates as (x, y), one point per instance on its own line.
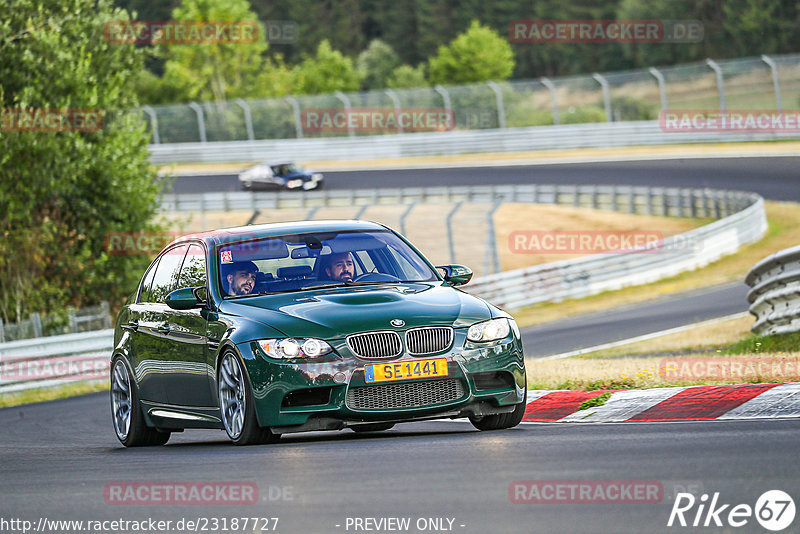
(225, 257)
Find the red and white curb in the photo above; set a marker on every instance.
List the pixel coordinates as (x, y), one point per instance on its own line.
(695, 403)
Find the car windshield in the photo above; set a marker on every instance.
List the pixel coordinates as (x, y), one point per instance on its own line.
(285, 168)
(315, 260)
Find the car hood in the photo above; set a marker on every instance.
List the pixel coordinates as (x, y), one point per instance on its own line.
(336, 312)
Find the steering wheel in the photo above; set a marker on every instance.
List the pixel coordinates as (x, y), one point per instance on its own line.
(375, 277)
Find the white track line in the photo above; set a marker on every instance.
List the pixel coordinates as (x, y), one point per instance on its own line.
(644, 337)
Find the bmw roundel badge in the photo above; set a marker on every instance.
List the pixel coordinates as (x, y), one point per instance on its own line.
(397, 322)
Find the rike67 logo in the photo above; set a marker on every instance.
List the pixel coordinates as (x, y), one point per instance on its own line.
(774, 510)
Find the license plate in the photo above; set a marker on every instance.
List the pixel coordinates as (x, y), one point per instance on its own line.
(384, 372)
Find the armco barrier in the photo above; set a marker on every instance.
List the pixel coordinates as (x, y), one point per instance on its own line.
(593, 135)
(603, 272)
(775, 292)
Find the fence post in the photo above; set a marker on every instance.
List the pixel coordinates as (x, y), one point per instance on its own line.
(720, 82)
(606, 95)
(2, 332)
(662, 86)
(346, 102)
(450, 240)
(501, 111)
(36, 319)
(298, 123)
(106, 314)
(153, 123)
(405, 214)
(774, 68)
(397, 109)
(553, 100)
(492, 251)
(73, 323)
(248, 119)
(201, 121)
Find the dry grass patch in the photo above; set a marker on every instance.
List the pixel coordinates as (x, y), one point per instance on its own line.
(46, 394)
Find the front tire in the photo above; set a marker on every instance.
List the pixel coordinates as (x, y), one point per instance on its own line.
(126, 413)
(503, 420)
(236, 404)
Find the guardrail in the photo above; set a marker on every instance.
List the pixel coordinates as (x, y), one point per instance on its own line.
(55, 360)
(603, 272)
(741, 219)
(592, 135)
(775, 293)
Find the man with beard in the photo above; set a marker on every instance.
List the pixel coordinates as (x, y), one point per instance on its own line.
(340, 267)
(242, 278)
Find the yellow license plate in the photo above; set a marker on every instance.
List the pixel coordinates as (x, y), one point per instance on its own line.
(384, 372)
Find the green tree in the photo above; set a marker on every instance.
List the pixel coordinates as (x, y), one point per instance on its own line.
(222, 71)
(407, 77)
(326, 72)
(375, 64)
(63, 193)
(477, 55)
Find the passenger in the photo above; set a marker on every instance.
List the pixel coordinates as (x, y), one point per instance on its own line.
(241, 278)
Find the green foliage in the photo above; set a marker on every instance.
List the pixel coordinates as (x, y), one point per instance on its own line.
(478, 55)
(62, 193)
(595, 402)
(326, 72)
(407, 77)
(375, 64)
(771, 344)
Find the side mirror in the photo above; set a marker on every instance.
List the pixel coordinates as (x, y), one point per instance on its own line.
(186, 298)
(456, 275)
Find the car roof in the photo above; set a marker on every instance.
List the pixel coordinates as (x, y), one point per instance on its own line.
(254, 231)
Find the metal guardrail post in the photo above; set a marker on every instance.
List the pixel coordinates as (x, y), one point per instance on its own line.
(774, 68)
(450, 239)
(403, 217)
(662, 86)
(201, 121)
(720, 82)
(248, 119)
(2, 332)
(397, 109)
(445, 97)
(298, 122)
(553, 99)
(153, 123)
(346, 102)
(492, 251)
(36, 319)
(501, 111)
(606, 95)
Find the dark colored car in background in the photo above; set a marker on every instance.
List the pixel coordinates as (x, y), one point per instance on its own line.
(282, 175)
(303, 343)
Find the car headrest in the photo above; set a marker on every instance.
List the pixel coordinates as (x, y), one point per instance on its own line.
(297, 271)
(264, 277)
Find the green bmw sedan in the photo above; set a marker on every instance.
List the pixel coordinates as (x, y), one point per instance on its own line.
(317, 325)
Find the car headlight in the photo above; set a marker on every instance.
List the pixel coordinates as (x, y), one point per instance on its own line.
(490, 330)
(294, 348)
(317, 176)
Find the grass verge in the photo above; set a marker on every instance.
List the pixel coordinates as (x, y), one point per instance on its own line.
(46, 394)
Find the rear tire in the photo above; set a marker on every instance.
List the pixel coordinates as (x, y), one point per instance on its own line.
(502, 420)
(236, 405)
(126, 412)
(373, 427)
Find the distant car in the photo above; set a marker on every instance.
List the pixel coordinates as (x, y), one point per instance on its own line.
(284, 175)
(317, 325)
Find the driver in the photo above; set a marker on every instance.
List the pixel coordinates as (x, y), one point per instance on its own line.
(340, 267)
(242, 278)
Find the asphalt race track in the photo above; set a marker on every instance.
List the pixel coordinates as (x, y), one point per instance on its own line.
(587, 330)
(58, 458)
(775, 178)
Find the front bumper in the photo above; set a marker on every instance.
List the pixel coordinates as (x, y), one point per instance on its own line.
(482, 380)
